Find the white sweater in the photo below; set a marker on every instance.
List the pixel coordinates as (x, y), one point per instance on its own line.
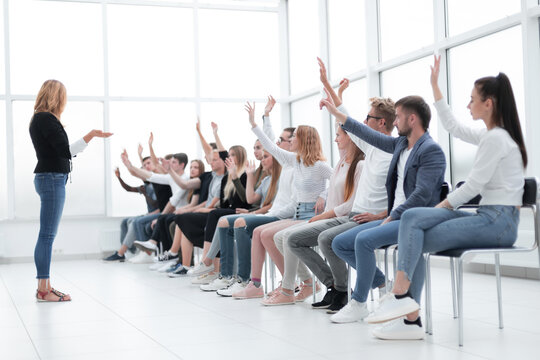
(309, 181)
(497, 173)
(179, 195)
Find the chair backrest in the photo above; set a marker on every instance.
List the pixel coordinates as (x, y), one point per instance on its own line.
(530, 191)
(445, 190)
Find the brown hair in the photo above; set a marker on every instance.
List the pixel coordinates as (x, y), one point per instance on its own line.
(357, 155)
(201, 170)
(417, 105)
(385, 108)
(309, 145)
(273, 188)
(505, 112)
(52, 98)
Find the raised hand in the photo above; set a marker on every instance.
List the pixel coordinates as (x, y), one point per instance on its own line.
(231, 168)
(322, 72)
(140, 149)
(251, 111)
(198, 125)
(343, 85)
(117, 172)
(165, 163)
(214, 127)
(269, 105)
(435, 70)
(125, 158)
(251, 167)
(151, 139)
(326, 102)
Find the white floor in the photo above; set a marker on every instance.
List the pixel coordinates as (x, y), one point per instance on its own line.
(124, 311)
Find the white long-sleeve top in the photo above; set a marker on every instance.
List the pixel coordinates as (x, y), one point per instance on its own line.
(283, 205)
(309, 181)
(336, 189)
(497, 173)
(77, 147)
(371, 193)
(179, 195)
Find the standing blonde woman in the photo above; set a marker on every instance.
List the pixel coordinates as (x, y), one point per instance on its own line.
(54, 155)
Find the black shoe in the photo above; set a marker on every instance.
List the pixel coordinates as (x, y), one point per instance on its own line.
(340, 300)
(115, 257)
(327, 299)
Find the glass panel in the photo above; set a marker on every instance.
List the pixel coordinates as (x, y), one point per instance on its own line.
(484, 57)
(2, 62)
(64, 42)
(266, 3)
(411, 79)
(3, 163)
(173, 125)
(151, 60)
(85, 191)
(347, 37)
(235, 62)
(306, 112)
(303, 44)
(405, 26)
(465, 15)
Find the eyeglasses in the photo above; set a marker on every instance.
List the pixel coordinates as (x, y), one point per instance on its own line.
(280, 140)
(373, 117)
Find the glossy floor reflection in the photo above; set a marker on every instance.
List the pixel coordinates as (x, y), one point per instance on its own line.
(125, 311)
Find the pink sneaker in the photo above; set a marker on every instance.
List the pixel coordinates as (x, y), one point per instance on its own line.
(306, 290)
(279, 298)
(249, 292)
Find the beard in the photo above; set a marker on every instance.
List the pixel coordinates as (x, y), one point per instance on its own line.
(405, 132)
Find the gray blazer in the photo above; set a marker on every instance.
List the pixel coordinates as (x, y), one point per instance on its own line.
(424, 170)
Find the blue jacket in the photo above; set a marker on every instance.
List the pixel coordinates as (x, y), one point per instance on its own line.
(424, 170)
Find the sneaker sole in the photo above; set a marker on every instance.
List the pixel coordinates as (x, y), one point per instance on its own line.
(396, 336)
(287, 303)
(393, 315)
(144, 248)
(324, 307)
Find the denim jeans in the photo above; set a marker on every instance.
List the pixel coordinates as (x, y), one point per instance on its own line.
(139, 225)
(242, 235)
(304, 211)
(427, 230)
(51, 188)
(357, 247)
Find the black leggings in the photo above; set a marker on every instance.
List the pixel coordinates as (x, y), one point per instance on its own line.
(161, 233)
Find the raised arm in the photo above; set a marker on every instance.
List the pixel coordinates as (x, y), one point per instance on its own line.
(135, 171)
(123, 184)
(326, 83)
(186, 184)
(284, 157)
(251, 196)
(206, 147)
(157, 166)
(219, 144)
(140, 151)
(267, 125)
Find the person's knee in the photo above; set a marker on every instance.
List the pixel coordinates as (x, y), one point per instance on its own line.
(365, 241)
(240, 222)
(223, 223)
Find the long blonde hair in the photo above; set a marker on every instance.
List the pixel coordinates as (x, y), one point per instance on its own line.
(273, 188)
(241, 158)
(52, 97)
(309, 145)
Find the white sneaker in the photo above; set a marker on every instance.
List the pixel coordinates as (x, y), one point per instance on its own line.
(217, 284)
(353, 311)
(145, 245)
(234, 288)
(166, 265)
(201, 269)
(398, 330)
(142, 258)
(391, 308)
(204, 279)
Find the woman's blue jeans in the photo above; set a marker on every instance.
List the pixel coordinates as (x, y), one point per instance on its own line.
(242, 235)
(51, 188)
(428, 230)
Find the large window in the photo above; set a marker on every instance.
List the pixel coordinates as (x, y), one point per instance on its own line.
(405, 26)
(465, 15)
(150, 51)
(239, 60)
(65, 43)
(3, 163)
(304, 44)
(483, 57)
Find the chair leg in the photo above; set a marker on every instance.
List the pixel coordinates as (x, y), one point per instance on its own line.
(429, 320)
(453, 280)
(499, 290)
(348, 283)
(386, 269)
(272, 273)
(394, 260)
(460, 299)
(314, 287)
(266, 274)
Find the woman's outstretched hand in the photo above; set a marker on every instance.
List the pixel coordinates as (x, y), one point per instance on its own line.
(269, 105)
(96, 133)
(251, 111)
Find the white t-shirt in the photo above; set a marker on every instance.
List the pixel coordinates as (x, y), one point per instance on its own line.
(400, 194)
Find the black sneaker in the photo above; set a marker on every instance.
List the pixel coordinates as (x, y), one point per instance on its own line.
(340, 300)
(115, 257)
(179, 272)
(327, 299)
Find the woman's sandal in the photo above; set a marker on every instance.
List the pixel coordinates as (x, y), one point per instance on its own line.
(40, 296)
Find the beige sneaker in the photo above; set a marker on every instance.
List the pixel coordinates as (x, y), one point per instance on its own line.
(204, 279)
